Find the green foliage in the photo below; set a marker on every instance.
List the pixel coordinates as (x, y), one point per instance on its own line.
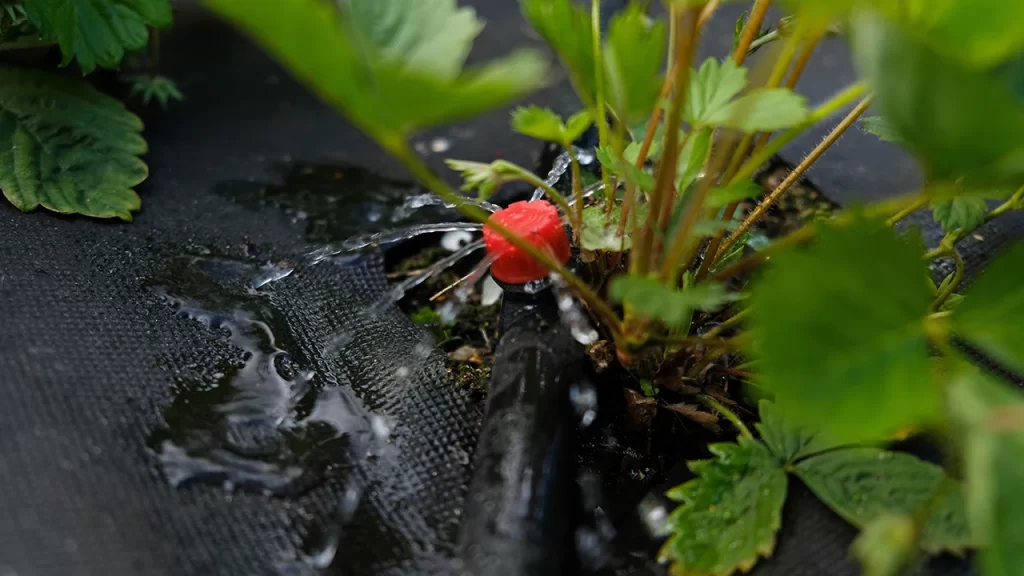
(886, 545)
(964, 212)
(648, 388)
(729, 514)
(565, 26)
(743, 190)
(787, 439)
(711, 101)
(961, 122)
(98, 32)
(368, 60)
(149, 88)
(863, 484)
(67, 147)
(993, 312)
(987, 420)
(633, 56)
(623, 168)
(852, 357)
(544, 124)
(692, 158)
(671, 307)
(712, 87)
(485, 178)
(881, 127)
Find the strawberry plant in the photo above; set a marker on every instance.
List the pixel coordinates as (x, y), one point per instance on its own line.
(66, 146)
(838, 321)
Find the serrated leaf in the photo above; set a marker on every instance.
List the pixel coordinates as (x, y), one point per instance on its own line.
(960, 122)
(763, 109)
(577, 125)
(712, 87)
(986, 417)
(358, 64)
(846, 359)
(98, 32)
(964, 212)
(862, 484)
(788, 440)
(881, 127)
(886, 546)
(729, 514)
(633, 56)
(744, 190)
(67, 147)
(991, 315)
(544, 124)
(671, 307)
(148, 88)
(565, 26)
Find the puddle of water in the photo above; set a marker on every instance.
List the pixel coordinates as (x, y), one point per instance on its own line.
(265, 423)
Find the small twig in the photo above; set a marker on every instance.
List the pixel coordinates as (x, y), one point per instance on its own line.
(951, 283)
(907, 211)
(729, 414)
(733, 320)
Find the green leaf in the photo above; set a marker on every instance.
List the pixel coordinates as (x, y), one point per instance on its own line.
(987, 416)
(886, 545)
(852, 358)
(67, 147)
(599, 232)
(745, 190)
(981, 33)
(788, 440)
(148, 87)
(993, 312)
(566, 27)
(960, 122)
(862, 484)
(367, 59)
(711, 89)
(881, 127)
(729, 514)
(577, 125)
(964, 212)
(633, 56)
(763, 109)
(539, 123)
(98, 32)
(692, 158)
(486, 178)
(671, 307)
(625, 169)
(648, 388)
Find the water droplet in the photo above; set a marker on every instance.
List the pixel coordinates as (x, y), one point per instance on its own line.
(583, 396)
(452, 241)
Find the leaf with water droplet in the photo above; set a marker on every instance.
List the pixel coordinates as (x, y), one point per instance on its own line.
(862, 484)
(729, 514)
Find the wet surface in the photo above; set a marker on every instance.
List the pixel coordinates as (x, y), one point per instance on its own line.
(261, 420)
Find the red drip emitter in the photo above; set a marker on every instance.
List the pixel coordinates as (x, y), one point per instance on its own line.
(540, 224)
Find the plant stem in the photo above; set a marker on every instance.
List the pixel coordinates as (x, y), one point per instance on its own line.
(826, 109)
(717, 406)
(600, 114)
(733, 320)
(809, 231)
(794, 77)
(710, 342)
(400, 150)
(666, 173)
(26, 44)
(907, 211)
(750, 30)
(797, 172)
(778, 72)
(951, 283)
(664, 212)
(707, 12)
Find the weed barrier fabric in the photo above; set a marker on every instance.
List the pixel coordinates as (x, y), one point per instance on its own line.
(95, 354)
